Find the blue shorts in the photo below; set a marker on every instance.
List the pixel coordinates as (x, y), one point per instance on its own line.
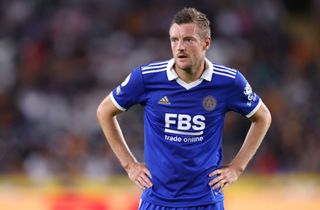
(144, 205)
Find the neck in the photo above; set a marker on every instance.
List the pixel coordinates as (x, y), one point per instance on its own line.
(190, 74)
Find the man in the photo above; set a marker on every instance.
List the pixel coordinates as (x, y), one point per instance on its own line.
(185, 100)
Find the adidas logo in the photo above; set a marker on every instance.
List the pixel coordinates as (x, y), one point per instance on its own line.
(164, 100)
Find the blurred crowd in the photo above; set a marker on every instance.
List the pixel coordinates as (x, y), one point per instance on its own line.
(59, 59)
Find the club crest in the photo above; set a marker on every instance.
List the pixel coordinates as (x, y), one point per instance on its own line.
(209, 103)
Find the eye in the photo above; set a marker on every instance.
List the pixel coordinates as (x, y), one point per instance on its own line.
(173, 39)
(188, 40)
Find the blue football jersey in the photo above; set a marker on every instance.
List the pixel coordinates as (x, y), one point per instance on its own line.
(183, 126)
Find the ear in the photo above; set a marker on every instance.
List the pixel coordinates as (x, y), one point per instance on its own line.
(207, 43)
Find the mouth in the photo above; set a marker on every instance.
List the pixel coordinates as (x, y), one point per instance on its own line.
(181, 56)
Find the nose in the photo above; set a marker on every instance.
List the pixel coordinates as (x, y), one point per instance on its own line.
(180, 45)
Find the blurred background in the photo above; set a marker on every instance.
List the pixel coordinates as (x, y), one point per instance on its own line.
(59, 59)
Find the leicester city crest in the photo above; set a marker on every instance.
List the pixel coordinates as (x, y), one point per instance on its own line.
(209, 103)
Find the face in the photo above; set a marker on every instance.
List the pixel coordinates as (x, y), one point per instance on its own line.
(188, 48)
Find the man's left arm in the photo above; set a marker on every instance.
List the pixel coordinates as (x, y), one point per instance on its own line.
(226, 175)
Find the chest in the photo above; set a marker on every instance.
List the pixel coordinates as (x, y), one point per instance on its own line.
(193, 109)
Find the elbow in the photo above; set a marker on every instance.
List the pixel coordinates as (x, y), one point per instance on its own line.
(101, 111)
(268, 118)
(263, 116)
(106, 109)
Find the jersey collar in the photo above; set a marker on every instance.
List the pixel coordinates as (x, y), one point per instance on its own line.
(207, 74)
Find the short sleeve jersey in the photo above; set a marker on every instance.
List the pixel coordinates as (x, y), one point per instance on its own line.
(183, 124)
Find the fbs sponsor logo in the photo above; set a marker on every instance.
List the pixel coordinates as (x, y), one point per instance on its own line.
(164, 100)
(184, 124)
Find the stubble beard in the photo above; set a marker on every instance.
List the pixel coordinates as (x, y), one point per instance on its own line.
(185, 67)
(190, 68)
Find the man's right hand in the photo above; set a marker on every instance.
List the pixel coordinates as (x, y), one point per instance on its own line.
(139, 174)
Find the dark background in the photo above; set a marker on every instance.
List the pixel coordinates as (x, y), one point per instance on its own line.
(59, 59)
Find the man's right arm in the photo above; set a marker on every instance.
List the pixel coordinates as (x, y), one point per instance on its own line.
(137, 171)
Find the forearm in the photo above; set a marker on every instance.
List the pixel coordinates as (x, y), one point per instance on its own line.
(114, 136)
(137, 172)
(252, 142)
(258, 129)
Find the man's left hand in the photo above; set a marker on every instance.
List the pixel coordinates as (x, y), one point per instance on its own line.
(226, 175)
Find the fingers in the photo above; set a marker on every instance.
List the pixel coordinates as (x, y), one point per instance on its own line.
(139, 184)
(215, 172)
(147, 172)
(224, 187)
(224, 177)
(143, 181)
(141, 176)
(218, 183)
